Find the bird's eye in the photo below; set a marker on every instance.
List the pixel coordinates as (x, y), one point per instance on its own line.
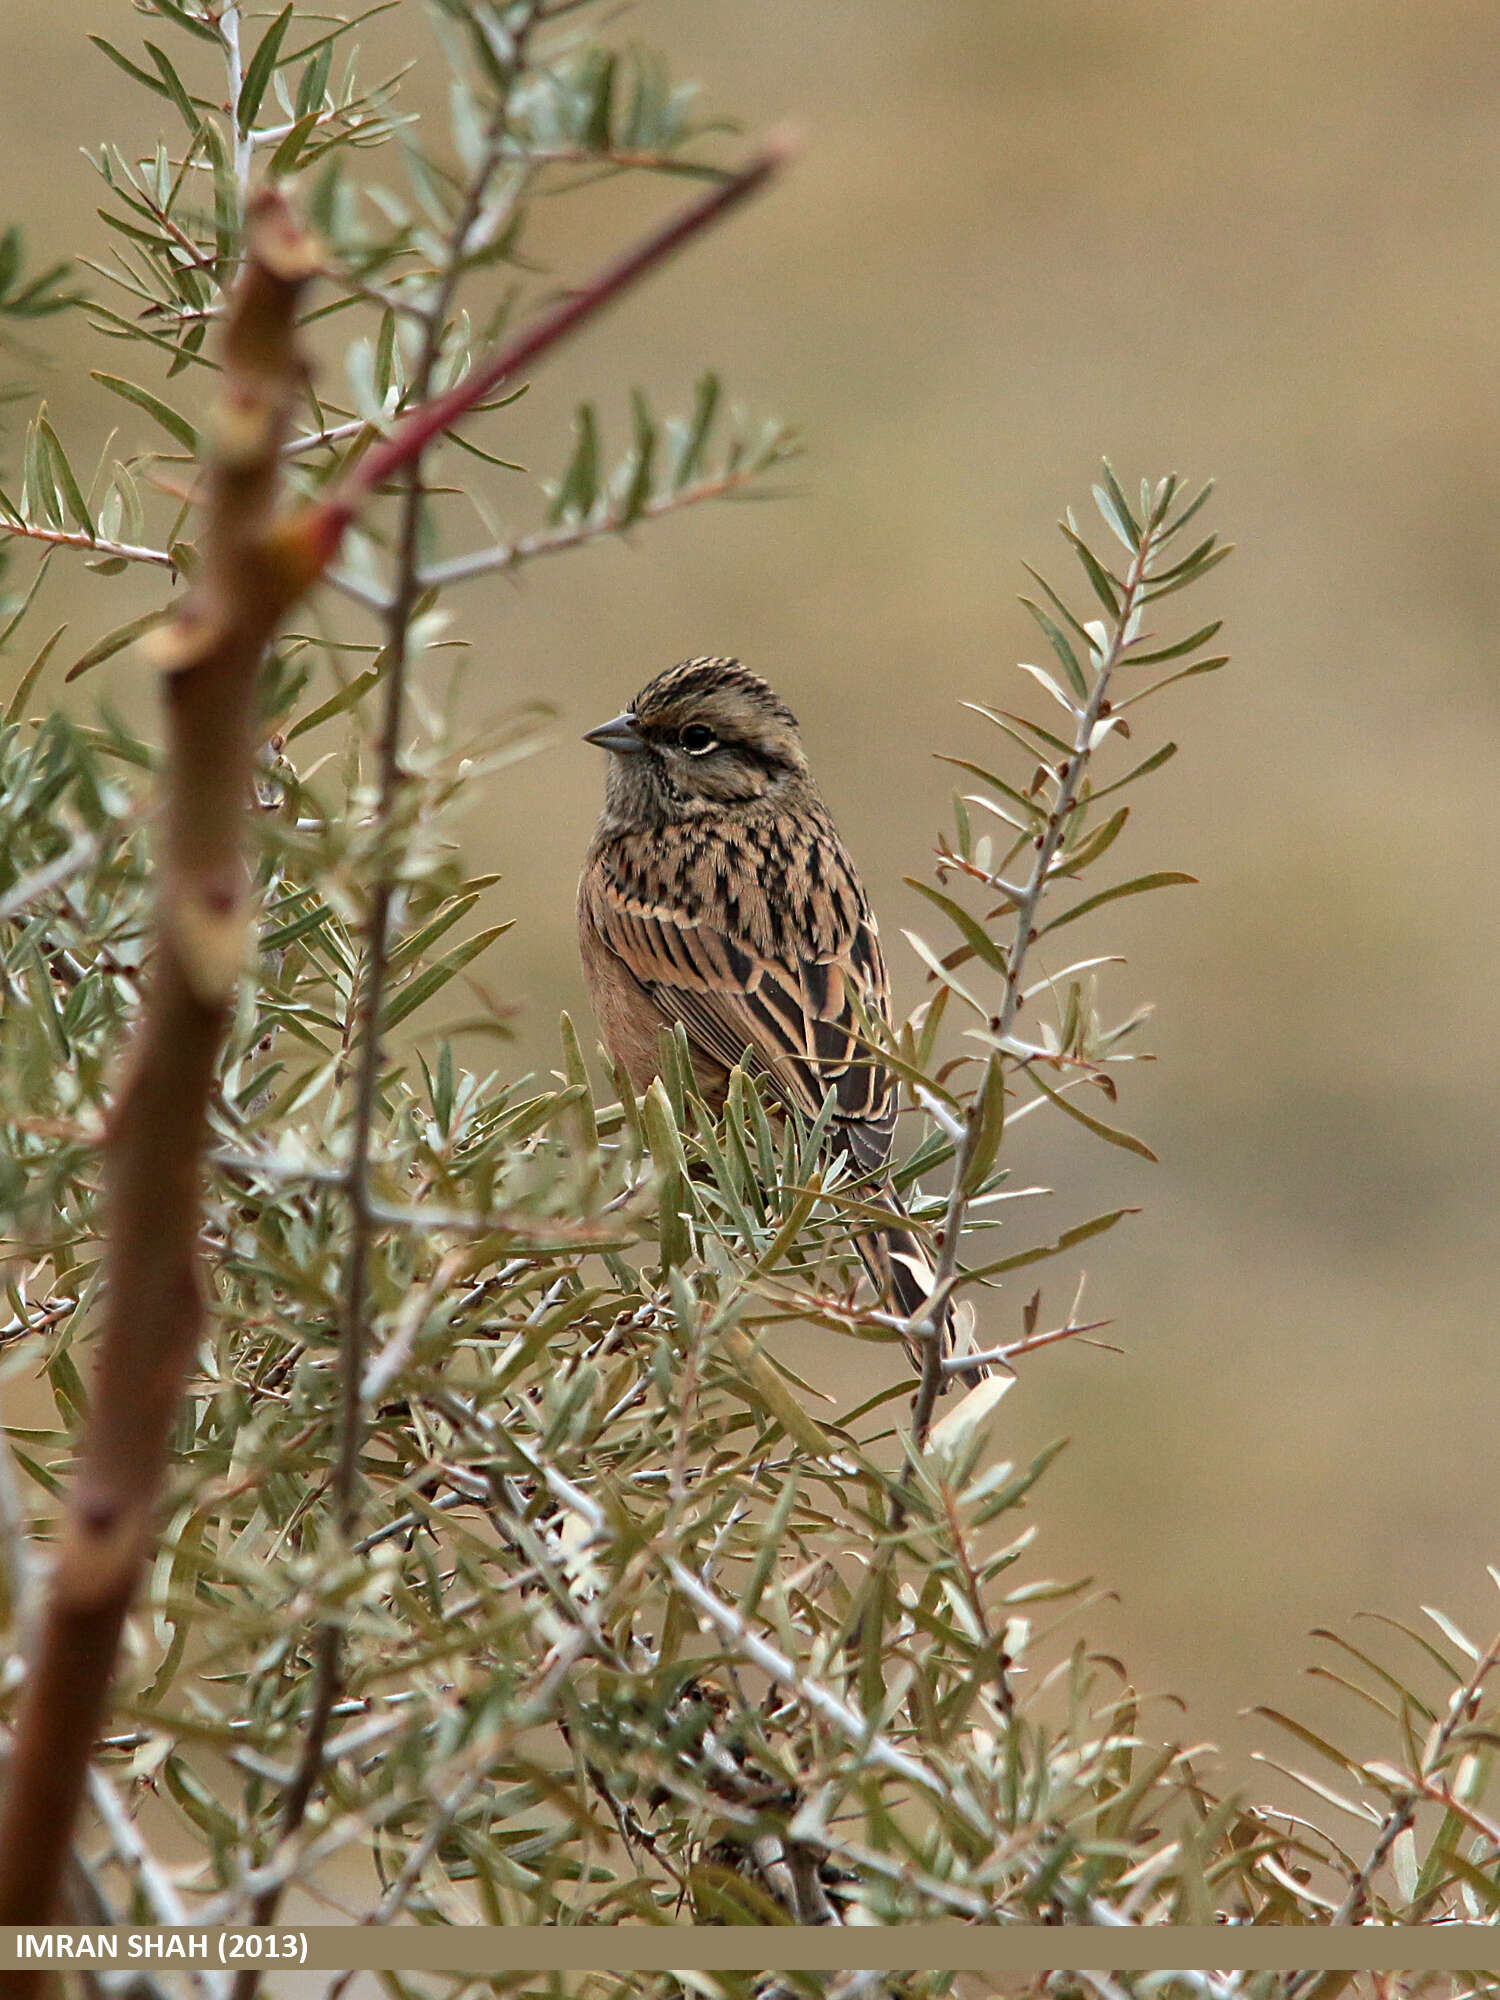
(697, 739)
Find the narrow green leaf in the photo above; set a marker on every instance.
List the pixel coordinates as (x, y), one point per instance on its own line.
(1152, 763)
(1058, 603)
(10, 257)
(1439, 1858)
(1028, 806)
(313, 82)
(579, 487)
(1153, 591)
(289, 149)
(16, 706)
(638, 491)
(295, 928)
(789, 1230)
(258, 70)
(1484, 1886)
(1069, 1240)
(674, 1195)
(1089, 849)
(1164, 879)
(576, 1071)
(63, 473)
(1176, 527)
(940, 972)
(1448, 1667)
(347, 697)
(226, 191)
(1044, 679)
(766, 1387)
(191, 22)
(695, 437)
(153, 84)
(771, 1543)
(13, 624)
(1110, 1133)
(344, 27)
(417, 991)
(1185, 674)
(1014, 725)
(596, 131)
(1157, 500)
(415, 946)
(1451, 1632)
(1115, 508)
(1309, 1737)
(988, 1124)
(385, 356)
(174, 86)
(1109, 591)
(1373, 1666)
(1188, 562)
(40, 498)
(980, 941)
(36, 300)
(116, 641)
(1058, 641)
(176, 425)
(1189, 645)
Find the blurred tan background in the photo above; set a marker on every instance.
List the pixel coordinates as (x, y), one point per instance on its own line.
(1257, 243)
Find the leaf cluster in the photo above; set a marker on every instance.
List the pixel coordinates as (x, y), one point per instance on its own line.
(411, 225)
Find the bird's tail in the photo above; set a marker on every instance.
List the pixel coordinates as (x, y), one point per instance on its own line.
(901, 1268)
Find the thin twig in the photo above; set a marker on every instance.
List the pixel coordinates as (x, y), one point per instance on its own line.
(80, 538)
(925, 1324)
(506, 556)
(244, 147)
(332, 434)
(290, 1861)
(1003, 1356)
(994, 1644)
(369, 1004)
(166, 1905)
(869, 1743)
(1069, 777)
(1402, 1812)
(79, 854)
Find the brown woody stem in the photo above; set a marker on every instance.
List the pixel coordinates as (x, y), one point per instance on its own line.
(211, 653)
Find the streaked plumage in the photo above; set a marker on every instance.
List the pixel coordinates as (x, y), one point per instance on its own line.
(718, 894)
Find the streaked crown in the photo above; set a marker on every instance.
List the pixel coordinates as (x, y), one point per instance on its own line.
(718, 690)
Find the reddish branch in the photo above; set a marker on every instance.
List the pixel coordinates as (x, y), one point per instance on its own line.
(327, 521)
(256, 562)
(211, 653)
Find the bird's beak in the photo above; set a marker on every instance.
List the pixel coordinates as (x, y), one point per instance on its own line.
(620, 735)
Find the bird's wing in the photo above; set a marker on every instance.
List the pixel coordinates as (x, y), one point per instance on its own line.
(783, 960)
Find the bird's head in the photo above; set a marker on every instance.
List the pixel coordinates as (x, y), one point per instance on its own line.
(702, 737)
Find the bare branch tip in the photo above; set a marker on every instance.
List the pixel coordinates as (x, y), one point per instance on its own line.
(783, 144)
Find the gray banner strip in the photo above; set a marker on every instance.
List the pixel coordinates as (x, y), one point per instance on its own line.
(641, 1948)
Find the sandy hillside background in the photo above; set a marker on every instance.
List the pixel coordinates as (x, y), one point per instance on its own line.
(1258, 243)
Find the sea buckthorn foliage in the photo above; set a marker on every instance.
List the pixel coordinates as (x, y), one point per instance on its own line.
(597, 1613)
